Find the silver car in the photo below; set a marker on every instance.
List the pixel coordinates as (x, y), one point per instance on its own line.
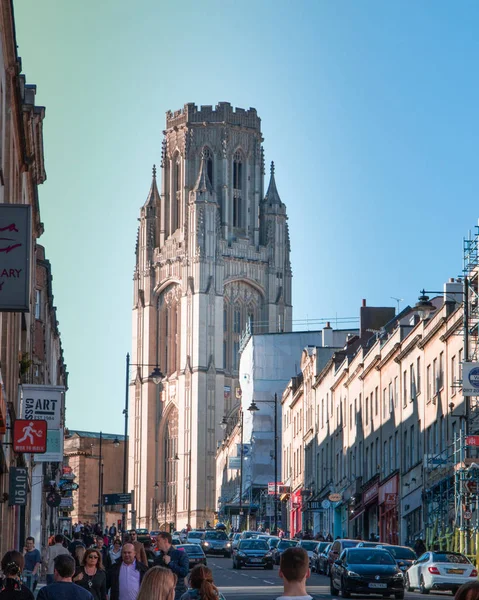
(216, 542)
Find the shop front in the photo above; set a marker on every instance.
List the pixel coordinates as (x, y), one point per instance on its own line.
(370, 515)
(388, 510)
(412, 517)
(296, 513)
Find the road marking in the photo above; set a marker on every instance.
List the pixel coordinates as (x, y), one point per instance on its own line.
(270, 582)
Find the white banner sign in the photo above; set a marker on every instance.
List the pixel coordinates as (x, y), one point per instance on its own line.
(15, 241)
(43, 402)
(470, 379)
(54, 451)
(234, 462)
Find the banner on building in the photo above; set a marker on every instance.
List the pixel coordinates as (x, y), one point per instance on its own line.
(15, 242)
(18, 487)
(54, 451)
(30, 436)
(43, 402)
(470, 379)
(234, 462)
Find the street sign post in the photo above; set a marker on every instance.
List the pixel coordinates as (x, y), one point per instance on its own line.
(116, 499)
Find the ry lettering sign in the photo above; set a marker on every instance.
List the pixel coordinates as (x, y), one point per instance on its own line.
(18, 486)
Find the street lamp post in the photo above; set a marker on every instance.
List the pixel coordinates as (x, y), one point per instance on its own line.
(255, 408)
(100, 485)
(157, 377)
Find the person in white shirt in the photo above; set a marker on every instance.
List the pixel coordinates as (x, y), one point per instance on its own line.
(294, 571)
(54, 551)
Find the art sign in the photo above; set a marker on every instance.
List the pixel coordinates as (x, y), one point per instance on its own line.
(43, 402)
(30, 436)
(15, 242)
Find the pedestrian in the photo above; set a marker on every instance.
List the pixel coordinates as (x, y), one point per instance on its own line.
(158, 584)
(33, 562)
(468, 591)
(419, 547)
(150, 555)
(11, 586)
(91, 575)
(294, 571)
(115, 551)
(63, 587)
(123, 580)
(77, 541)
(139, 548)
(202, 586)
(105, 555)
(79, 554)
(173, 559)
(112, 532)
(54, 551)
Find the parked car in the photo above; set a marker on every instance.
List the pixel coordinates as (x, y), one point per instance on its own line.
(195, 553)
(216, 542)
(252, 553)
(366, 571)
(322, 562)
(281, 547)
(336, 550)
(180, 534)
(403, 555)
(371, 544)
(143, 535)
(194, 536)
(235, 540)
(314, 561)
(175, 540)
(440, 571)
(310, 546)
(246, 535)
(273, 542)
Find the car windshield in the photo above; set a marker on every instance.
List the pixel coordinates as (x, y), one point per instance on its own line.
(402, 553)
(253, 545)
(216, 535)
(369, 557)
(449, 557)
(142, 531)
(273, 542)
(249, 534)
(322, 546)
(286, 544)
(191, 549)
(195, 534)
(309, 545)
(350, 544)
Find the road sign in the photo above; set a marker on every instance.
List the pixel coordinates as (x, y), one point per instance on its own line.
(30, 435)
(326, 504)
(335, 497)
(467, 514)
(116, 499)
(53, 499)
(271, 487)
(472, 440)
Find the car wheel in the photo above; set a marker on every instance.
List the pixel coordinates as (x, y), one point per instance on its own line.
(407, 584)
(422, 586)
(399, 595)
(269, 567)
(332, 590)
(344, 591)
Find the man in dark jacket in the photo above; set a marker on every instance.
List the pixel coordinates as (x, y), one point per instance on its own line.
(127, 571)
(173, 559)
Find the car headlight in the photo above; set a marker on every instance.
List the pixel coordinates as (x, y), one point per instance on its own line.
(268, 555)
(353, 574)
(228, 545)
(241, 554)
(205, 544)
(398, 575)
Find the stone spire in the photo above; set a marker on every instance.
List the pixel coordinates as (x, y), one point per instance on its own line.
(272, 199)
(203, 183)
(153, 198)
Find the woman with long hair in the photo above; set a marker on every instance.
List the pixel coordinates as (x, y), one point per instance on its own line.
(91, 576)
(79, 555)
(158, 584)
(202, 586)
(115, 550)
(468, 591)
(11, 587)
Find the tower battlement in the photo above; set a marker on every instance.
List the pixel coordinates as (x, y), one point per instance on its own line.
(223, 112)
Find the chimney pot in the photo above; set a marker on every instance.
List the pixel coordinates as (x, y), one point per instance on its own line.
(364, 302)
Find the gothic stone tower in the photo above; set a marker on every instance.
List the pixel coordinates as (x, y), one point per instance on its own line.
(212, 258)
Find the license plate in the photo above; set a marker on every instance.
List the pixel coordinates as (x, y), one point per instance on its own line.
(455, 571)
(378, 585)
(256, 560)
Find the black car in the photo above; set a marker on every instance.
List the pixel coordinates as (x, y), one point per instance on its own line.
(281, 547)
(366, 571)
(195, 553)
(403, 555)
(252, 553)
(314, 561)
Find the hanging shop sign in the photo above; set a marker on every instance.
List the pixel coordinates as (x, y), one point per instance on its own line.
(273, 489)
(334, 497)
(30, 436)
(18, 486)
(234, 462)
(15, 242)
(54, 451)
(43, 402)
(470, 379)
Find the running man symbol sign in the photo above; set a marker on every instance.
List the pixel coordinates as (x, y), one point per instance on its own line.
(30, 435)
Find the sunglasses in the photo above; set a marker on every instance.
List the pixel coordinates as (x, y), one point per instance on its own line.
(93, 556)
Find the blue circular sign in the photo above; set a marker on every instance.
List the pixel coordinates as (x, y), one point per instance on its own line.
(473, 378)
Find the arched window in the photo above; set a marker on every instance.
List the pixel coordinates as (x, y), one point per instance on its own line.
(177, 199)
(168, 329)
(237, 187)
(208, 158)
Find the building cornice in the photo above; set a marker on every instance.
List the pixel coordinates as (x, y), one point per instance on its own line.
(452, 330)
(354, 374)
(370, 367)
(388, 356)
(340, 379)
(437, 327)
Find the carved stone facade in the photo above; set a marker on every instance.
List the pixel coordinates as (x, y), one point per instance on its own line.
(212, 258)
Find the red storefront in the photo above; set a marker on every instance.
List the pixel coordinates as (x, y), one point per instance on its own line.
(388, 510)
(296, 513)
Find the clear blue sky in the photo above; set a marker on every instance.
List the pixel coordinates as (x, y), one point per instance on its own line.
(369, 110)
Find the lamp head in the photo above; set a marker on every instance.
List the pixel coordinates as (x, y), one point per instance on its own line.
(254, 407)
(424, 306)
(116, 442)
(224, 423)
(157, 376)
